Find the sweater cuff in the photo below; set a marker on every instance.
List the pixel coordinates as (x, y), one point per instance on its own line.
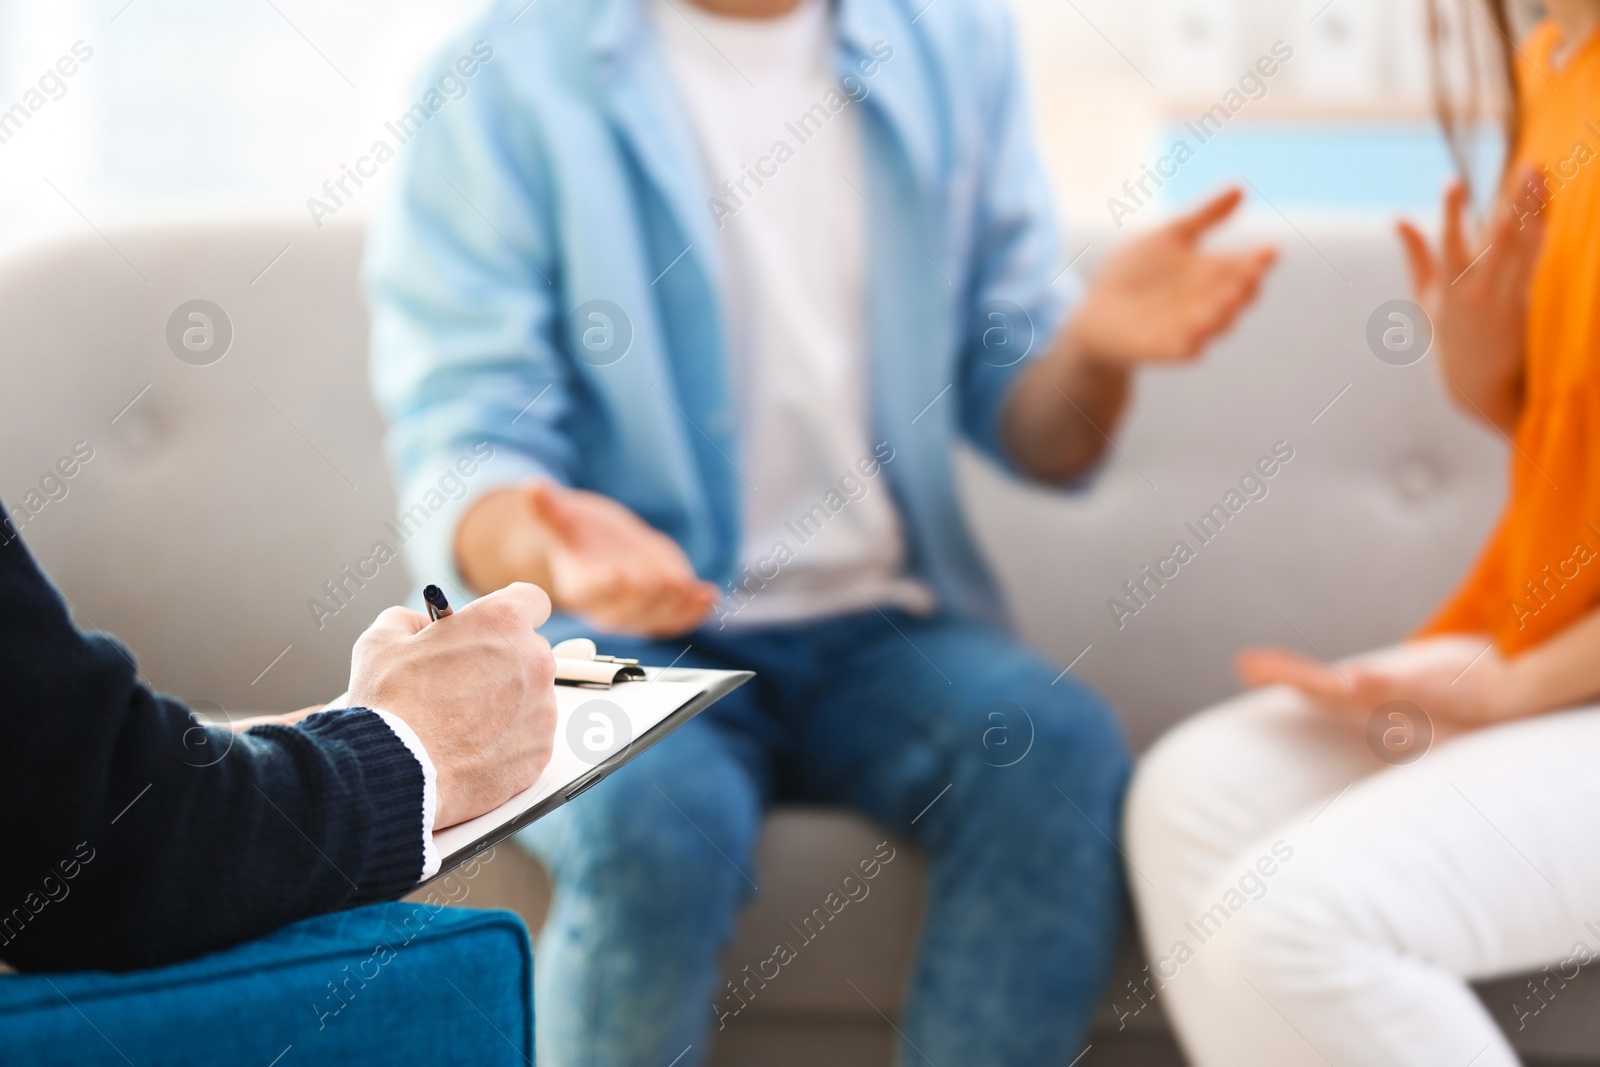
(430, 789)
(393, 788)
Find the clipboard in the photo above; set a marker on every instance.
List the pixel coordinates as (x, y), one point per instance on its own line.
(597, 732)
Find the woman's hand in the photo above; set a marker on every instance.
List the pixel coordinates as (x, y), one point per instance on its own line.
(1459, 681)
(1475, 293)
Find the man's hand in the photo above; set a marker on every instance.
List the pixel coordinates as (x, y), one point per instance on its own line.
(1458, 681)
(599, 560)
(1475, 293)
(478, 688)
(614, 570)
(1160, 298)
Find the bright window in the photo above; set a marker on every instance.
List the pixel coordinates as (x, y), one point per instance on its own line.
(187, 106)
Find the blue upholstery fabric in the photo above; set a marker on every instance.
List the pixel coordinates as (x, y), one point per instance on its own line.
(389, 984)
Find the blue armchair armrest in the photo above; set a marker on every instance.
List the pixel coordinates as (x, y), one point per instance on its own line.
(389, 984)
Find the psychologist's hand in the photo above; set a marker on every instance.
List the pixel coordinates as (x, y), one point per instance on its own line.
(1475, 293)
(614, 570)
(1161, 298)
(1457, 681)
(478, 688)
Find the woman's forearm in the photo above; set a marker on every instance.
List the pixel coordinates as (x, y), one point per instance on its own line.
(1563, 671)
(1494, 401)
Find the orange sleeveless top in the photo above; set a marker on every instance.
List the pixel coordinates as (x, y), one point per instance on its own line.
(1540, 571)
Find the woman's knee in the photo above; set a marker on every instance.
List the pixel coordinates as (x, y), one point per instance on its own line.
(1284, 921)
(1179, 769)
(1217, 775)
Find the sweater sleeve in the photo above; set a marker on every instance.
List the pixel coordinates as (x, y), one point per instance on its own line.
(136, 837)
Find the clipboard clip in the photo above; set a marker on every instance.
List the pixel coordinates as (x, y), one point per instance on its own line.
(579, 662)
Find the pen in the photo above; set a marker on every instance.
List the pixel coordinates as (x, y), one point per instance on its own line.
(438, 606)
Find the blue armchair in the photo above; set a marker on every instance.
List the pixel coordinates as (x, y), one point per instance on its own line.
(392, 984)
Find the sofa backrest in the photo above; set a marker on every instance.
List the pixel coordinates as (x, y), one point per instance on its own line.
(221, 498)
(1386, 502)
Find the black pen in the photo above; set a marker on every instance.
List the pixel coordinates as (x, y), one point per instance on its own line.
(438, 606)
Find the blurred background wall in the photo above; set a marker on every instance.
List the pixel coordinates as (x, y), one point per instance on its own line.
(195, 106)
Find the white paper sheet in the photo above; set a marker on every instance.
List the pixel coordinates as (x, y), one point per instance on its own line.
(591, 725)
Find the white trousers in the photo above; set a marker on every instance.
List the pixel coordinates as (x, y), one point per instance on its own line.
(1304, 902)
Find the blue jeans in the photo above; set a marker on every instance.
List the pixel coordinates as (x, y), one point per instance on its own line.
(879, 714)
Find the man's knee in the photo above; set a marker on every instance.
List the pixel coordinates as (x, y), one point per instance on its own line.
(1079, 725)
(1042, 763)
(1076, 745)
(667, 848)
(1013, 702)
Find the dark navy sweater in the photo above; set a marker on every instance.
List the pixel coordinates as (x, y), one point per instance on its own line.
(131, 836)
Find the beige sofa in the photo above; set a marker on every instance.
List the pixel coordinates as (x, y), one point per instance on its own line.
(220, 498)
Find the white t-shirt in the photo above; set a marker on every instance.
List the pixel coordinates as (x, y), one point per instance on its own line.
(821, 535)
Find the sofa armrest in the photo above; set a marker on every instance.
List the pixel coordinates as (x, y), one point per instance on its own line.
(402, 983)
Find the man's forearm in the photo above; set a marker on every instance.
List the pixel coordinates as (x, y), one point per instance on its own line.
(1062, 411)
(499, 542)
(201, 838)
